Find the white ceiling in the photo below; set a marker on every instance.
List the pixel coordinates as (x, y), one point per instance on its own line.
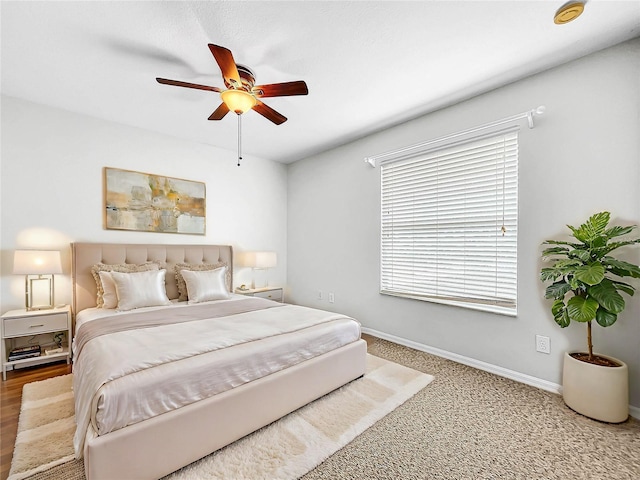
(368, 64)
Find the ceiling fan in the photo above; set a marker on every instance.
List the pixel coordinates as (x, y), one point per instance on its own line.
(241, 94)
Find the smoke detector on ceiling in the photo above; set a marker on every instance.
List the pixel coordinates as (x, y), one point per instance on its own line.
(568, 12)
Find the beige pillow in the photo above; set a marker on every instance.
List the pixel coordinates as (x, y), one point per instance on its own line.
(197, 267)
(206, 285)
(140, 289)
(109, 295)
(117, 267)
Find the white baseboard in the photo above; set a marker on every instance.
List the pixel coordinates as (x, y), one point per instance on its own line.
(487, 367)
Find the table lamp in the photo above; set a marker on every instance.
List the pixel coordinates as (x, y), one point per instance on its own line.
(38, 266)
(260, 261)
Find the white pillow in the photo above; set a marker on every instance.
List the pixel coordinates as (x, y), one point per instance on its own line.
(140, 289)
(206, 285)
(109, 294)
(118, 267)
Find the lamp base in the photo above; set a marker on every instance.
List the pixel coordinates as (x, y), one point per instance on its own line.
(39, 307)
(262, 280)
(38, 292)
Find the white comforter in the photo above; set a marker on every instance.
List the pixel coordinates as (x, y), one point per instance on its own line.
(125, 377)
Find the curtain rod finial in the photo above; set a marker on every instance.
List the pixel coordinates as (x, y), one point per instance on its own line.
(532, 113)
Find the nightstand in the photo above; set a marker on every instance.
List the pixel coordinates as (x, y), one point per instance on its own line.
(271, 293)
(21, 323)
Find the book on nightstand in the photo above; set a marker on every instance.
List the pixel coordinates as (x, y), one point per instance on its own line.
(28, 351)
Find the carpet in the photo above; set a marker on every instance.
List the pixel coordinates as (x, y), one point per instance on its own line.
(473, 425)
(285, 449)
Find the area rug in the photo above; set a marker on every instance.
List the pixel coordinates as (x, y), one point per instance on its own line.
(285, 449)
(45, 427)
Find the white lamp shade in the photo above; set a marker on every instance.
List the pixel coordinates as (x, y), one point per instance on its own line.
(260, 259)
(37, 262)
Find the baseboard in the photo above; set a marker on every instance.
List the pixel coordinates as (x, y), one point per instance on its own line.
(487, 367)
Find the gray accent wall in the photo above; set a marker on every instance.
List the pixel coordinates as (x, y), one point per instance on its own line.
(582, 157)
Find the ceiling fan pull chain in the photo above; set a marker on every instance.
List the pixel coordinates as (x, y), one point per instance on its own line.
(239, 139)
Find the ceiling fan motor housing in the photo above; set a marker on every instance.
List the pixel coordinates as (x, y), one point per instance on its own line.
(247, 77)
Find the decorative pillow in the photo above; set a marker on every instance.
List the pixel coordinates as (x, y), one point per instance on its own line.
(109, 294)
(140, 289)
(117, 267)
(206, 285)
(197, 267)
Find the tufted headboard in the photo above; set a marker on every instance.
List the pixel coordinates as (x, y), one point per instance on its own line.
(85, 255)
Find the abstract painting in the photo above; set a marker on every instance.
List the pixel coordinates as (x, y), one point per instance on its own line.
(153, 203)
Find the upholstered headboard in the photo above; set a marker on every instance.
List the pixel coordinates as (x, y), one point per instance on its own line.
(85, 255)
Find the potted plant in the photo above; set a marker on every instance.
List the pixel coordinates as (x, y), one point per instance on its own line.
(586, 286)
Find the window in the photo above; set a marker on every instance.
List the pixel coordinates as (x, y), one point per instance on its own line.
(449, 223)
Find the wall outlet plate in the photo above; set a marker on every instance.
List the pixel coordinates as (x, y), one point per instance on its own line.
(543, 344)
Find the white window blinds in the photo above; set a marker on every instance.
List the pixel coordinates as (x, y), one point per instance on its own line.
(449, 223)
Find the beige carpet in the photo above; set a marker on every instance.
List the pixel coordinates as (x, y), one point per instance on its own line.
(286, 449)
(473, 425)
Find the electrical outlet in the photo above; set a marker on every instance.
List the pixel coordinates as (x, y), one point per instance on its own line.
(543, 344)
(331, 297)
(319, 294)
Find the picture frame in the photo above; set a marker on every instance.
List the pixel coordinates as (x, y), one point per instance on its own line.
(149, 202)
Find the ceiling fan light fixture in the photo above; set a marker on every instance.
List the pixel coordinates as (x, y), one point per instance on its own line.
(568, 12)
(238, 101)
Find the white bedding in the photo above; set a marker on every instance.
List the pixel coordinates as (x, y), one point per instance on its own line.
(94, 313)
(175, 365)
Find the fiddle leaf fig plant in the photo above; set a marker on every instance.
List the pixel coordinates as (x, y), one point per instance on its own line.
(586, 273)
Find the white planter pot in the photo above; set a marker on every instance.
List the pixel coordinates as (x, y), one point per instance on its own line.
(601, 393)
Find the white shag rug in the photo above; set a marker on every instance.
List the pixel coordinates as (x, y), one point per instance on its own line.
(285, 449)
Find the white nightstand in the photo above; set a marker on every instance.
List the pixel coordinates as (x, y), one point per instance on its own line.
(21, 323)
(272, 293)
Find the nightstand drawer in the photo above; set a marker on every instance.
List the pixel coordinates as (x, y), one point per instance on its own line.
(15, 327)
(275, 295)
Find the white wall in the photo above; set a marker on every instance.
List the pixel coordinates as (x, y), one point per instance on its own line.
(51, 182)
(582, 157)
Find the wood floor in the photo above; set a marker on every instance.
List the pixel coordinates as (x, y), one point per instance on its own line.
(10, 399)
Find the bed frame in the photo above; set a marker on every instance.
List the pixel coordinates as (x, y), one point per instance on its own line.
(160, 445)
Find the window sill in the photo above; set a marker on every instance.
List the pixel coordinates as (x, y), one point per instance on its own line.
(507, 311)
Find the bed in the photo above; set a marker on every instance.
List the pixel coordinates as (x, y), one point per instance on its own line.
(235, 365)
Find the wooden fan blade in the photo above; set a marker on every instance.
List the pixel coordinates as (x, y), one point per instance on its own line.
(227, 64)
(281, 89)
(220, 112)
(269, 113)
(187, 84)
